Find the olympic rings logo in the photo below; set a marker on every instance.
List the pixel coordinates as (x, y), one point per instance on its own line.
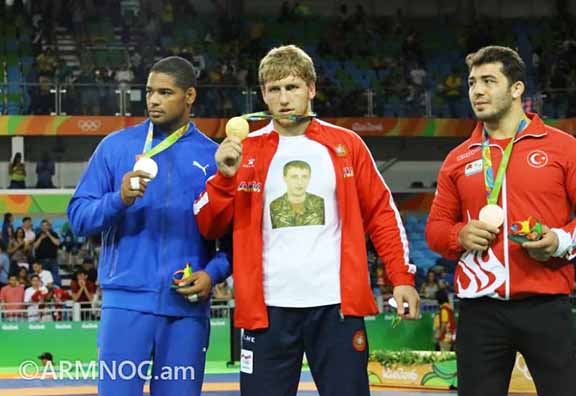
(89, 125)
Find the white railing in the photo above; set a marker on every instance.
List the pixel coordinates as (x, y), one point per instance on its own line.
(67, 311)
(70, 311)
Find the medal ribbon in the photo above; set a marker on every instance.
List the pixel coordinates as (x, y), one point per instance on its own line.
(263, 115)
(164, 144)
(493, 187)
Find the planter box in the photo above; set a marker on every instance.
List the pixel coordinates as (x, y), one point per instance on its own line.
(441, 375)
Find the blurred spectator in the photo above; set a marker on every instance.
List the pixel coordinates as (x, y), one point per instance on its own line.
(286, 12)
(88, 92)
(537, 65)
(45, 171)
(45, 276)
(124, 76)
(64, 73)
(46, 249)
(83, 292)
(19, 249)
(429, 287)
(42, 99)
(444, 323)
(417, 84)
(23, 278)
(90, 269)
(106, 96)
(152, 30)
(412, 48)
(222, 292)
(71, 246)
(79, 22)
(97, 303)
(343, 18)
(4, 264)
(29, 234)
(167, 13)
(54, 300)
(33, 296)
(444, 279)
(199, 62)
(17, 172)
(82, 288)
(383, 282)
(452, 89)
(47, 62)
(7, 227)
(13, 295)
(559, 80)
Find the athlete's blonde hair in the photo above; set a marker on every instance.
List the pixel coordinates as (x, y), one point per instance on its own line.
(281, 62)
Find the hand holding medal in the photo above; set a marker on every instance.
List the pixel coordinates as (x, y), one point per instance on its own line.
(477, 235)
(133, 186)
(238, 127)
(229, 154)
(145, 169)
(492, 214)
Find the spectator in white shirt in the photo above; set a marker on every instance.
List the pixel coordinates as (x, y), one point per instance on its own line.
(33, 296)
(45, 276)
(29, 234)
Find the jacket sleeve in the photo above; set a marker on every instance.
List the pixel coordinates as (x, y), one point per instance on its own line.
(567, 233)
(220, 267)
(381, 218)
(445, 219)
(95, 205)
(214, 208)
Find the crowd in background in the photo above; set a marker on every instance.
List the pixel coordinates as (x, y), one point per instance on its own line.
(407, 63)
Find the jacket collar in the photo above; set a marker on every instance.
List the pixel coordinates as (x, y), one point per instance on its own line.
(312, 129)
(159, 134)
(536, 129)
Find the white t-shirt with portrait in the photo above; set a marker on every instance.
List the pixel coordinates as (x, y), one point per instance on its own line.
(301, 227)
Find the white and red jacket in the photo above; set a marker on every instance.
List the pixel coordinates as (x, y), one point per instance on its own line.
(365, 206)
(540, 182)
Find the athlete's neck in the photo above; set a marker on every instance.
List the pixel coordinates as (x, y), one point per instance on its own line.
(173, 126)
(294, 129)
(506, 126)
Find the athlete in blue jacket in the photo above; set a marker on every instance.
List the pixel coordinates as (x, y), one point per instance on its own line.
(149, 232)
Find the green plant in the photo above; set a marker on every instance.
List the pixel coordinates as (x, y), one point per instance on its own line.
(408, 358)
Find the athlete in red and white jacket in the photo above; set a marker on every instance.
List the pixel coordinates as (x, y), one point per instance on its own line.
(540, 182)
(365, 205)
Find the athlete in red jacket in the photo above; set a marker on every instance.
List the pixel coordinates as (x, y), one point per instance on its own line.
(514, 296)
(300, 195)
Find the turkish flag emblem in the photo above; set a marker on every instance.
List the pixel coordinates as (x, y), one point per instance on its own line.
(537, 159)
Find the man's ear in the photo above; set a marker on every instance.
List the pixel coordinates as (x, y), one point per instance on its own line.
(518, 89)
(190, 96)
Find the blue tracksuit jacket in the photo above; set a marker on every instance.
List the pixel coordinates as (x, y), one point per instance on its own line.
(142, 245)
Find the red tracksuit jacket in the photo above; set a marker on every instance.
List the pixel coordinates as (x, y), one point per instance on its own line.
(540, 182)
(365, 206)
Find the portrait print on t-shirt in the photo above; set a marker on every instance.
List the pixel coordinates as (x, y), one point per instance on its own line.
(297, 207)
